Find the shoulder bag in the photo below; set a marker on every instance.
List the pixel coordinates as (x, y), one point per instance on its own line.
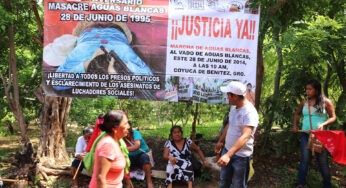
(313, 143)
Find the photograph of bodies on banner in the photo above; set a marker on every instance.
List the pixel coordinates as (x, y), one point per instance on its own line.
(221, 6)
(199, 90)
(102, 49)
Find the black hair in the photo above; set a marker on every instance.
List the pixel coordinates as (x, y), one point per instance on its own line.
(249, 84)
(320, 99)
(98, 65)
(111, 119)
(172, 129)
(240, 96)
(101, 116)
(88, 130)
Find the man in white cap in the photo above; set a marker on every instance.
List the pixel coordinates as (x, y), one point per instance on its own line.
(237, 139)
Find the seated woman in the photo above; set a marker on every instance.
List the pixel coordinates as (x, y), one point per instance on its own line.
(137, 152)
(178, 153)
(81, 144)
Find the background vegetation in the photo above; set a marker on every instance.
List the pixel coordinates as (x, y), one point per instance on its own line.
(300, 40)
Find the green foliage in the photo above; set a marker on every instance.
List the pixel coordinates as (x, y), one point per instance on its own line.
(62, 183)
(344, 171)
(37, 179)
(28, 55)
(146, 113)
(314, 179)
(205, 176)
(310, 46)
(209, 130)
(281, 143)
(5, 152)
(71, 138)
(287, 176)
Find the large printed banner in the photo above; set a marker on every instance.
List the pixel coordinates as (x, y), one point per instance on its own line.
(173, 50)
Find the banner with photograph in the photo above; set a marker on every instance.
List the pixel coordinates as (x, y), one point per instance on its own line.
(173, 50)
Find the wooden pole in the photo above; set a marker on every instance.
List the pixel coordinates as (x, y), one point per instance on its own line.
(80, 163)
(9, 180)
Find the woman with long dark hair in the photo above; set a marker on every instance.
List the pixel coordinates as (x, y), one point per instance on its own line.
(319, 107)
(110, 161)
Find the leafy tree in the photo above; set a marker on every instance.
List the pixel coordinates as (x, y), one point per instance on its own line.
(24, 60)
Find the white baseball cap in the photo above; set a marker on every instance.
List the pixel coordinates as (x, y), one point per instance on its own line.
(234, 87)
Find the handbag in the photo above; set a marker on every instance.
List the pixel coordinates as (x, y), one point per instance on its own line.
(151, 158)
(149, 153)
(313, 143)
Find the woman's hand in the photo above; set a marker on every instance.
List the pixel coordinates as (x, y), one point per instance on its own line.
(320, 127)
(295, 129)
(172, 159)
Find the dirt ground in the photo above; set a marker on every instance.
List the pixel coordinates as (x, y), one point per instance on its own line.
(267, 167)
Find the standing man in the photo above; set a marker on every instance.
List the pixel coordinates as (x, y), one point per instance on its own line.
(238, 138)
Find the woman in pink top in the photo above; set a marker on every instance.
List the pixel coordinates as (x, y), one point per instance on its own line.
(109, 160)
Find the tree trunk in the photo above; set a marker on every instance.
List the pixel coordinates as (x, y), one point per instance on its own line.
(195, 117)
(159, 113)
(51, 152)
(12, 93)
(259, 74)
(280, 63)
(326, 81)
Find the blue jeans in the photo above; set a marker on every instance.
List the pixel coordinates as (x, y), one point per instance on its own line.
(235, 173)
(137, 161)
(322, 159)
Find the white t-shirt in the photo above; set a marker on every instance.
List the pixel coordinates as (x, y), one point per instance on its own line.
(80, 146)
(238, 118)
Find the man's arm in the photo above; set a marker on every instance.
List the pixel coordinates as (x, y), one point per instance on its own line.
(245, 135)
(221, 141)
(79, 148)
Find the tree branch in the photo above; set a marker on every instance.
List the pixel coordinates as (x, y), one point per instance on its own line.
(37, 16)
(274, 9)
(37, 40)
(38, 93)
(7, 93)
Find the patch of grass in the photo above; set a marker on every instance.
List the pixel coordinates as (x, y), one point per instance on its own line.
(209, 130)
(314, 179)
(63, 183)
(287, 175)
(5, 151)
